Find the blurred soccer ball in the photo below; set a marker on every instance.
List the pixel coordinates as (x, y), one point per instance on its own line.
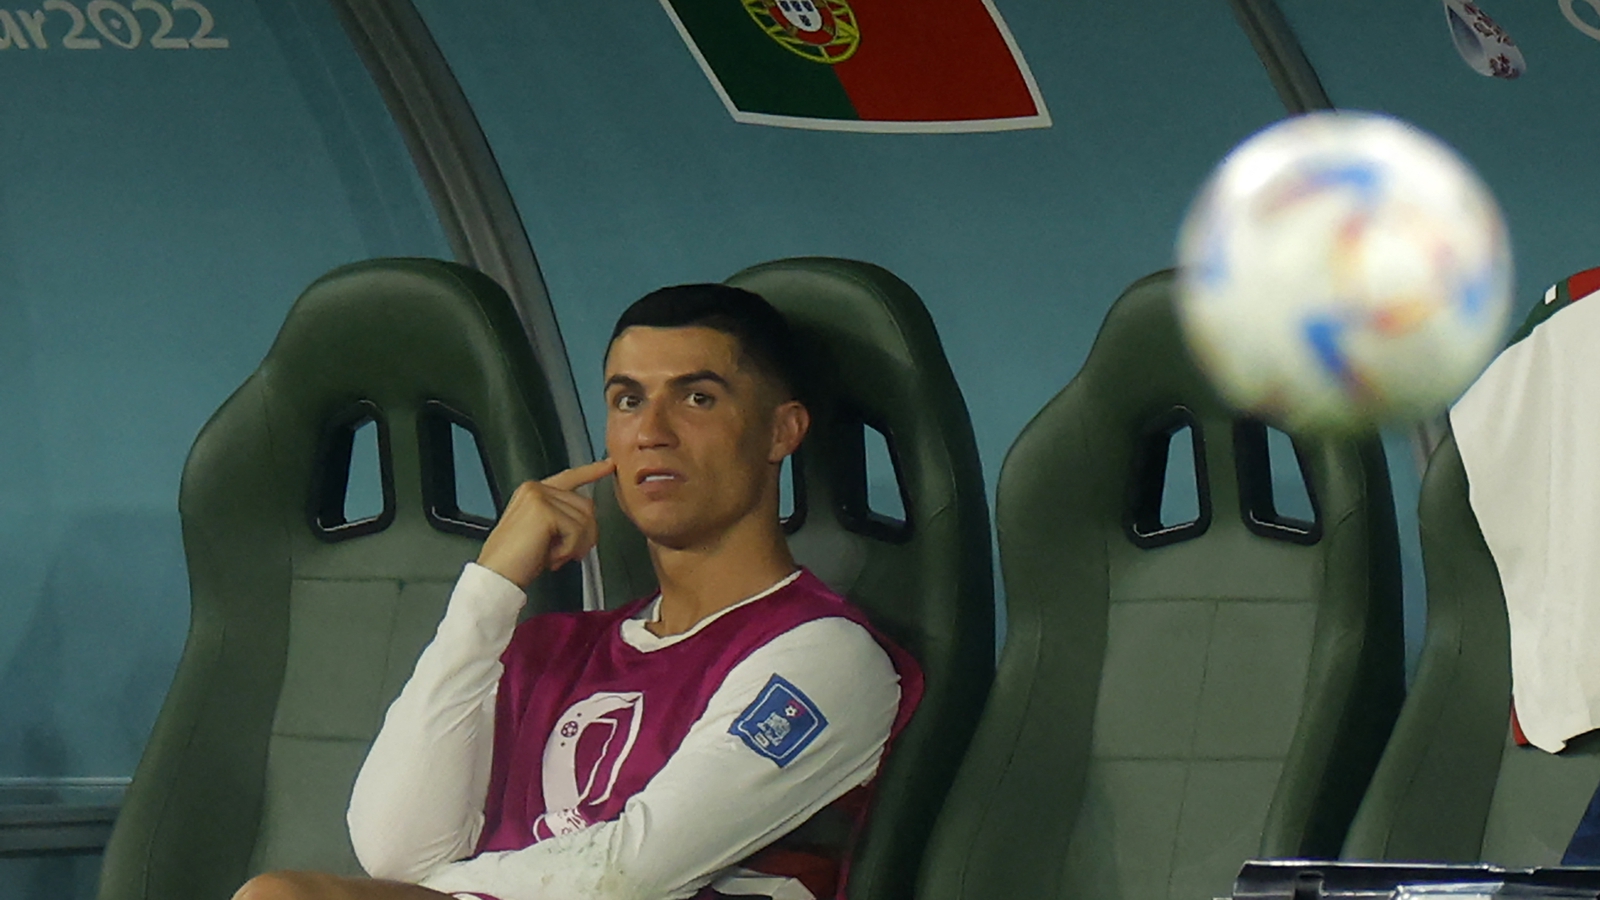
(1343, 270)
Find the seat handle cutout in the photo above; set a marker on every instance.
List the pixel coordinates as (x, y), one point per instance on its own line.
(1277, 500)
(355, 441)
(1169, 495)
(872, 498)
(460, 494)
(792, 493)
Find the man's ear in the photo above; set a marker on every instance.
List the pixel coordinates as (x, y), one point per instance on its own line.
(790, 422)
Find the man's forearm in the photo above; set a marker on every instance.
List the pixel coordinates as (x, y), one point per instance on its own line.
(418, 801)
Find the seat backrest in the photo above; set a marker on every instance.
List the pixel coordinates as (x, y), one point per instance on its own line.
(306, 622)
(1454, 786)
(923, 577)
(1176, 694)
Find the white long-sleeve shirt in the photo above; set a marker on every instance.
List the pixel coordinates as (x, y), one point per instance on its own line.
(418, 804)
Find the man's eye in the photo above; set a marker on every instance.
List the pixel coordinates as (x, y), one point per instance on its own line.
(626, 402)
(701, 399)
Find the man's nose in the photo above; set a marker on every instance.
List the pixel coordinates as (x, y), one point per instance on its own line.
(655, 426)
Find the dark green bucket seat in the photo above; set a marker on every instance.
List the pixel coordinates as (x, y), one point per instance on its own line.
(924, 578)
(1453, 785)
(305, 625)
(1174, 697)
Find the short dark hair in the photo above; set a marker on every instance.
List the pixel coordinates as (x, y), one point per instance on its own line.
(762, 333)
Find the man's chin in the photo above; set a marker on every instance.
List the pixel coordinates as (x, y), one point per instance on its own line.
(668, 532)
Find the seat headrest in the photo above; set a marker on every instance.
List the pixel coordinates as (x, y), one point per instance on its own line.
(413, 345)
(1105, 440)
(875, 362)
(1141, 353)
(399, 332)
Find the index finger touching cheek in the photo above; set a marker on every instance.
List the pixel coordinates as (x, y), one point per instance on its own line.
(577, 476)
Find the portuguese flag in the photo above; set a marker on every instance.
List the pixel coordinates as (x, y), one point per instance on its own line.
(863, 65)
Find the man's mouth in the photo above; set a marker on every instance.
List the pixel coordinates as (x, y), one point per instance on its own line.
(656, 476)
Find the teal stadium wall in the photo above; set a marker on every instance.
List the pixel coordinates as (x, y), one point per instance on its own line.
(160, 210)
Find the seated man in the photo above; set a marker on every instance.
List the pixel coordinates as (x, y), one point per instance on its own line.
(659, 750)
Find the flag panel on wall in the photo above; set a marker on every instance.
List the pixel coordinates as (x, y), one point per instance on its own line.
(863, 65)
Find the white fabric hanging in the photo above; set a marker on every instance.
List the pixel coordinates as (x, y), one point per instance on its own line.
(1529, 435)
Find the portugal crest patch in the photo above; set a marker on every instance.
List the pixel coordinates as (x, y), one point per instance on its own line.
(822, 31)
(780, 723)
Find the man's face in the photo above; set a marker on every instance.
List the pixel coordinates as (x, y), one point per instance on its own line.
(697, 437)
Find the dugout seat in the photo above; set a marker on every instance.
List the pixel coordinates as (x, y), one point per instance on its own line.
(1453, 785)
(924, 577)
(1176, 694)
(307, 621)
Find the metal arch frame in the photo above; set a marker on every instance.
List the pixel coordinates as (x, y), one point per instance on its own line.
(474, 206)
(1281, 54)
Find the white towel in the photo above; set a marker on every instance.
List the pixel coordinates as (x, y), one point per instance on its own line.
(1529, 435)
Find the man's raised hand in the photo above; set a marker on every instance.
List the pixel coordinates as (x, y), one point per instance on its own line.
(546, 525)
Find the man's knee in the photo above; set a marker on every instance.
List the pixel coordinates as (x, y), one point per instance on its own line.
(322, 886)
(282, 886)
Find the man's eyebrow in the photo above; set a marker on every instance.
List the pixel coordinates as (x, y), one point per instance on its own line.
(678, 381)
(683, 381)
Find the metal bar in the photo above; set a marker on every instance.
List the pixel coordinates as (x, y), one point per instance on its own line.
(1296, 82)
(51, 816)
(52, 830)
(469, 193)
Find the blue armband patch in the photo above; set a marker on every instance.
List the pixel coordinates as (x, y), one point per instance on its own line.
(780, 723)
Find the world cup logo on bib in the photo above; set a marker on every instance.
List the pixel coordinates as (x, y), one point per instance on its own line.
(584, 756)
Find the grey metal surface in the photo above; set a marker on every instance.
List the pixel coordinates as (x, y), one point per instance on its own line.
(1296, 82)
